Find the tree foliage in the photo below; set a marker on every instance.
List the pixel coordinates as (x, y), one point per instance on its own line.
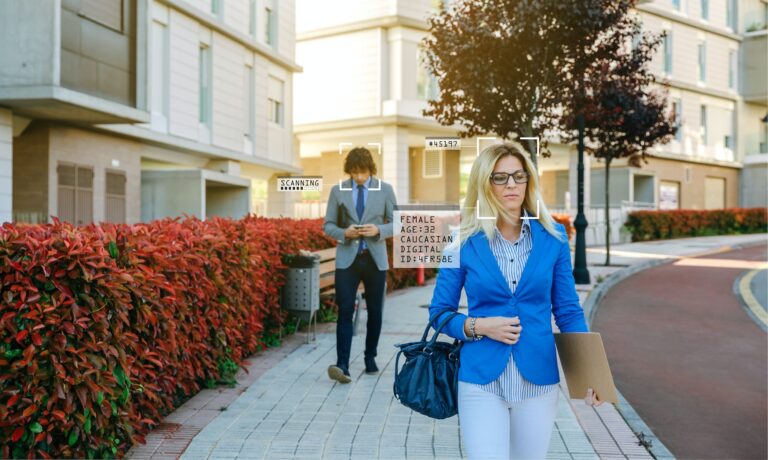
(510, 67)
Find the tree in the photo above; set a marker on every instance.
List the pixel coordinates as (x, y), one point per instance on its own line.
(510, 66)
(625, 113)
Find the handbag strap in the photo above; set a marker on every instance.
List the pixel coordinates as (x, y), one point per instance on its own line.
(439, 329)
(432, 322)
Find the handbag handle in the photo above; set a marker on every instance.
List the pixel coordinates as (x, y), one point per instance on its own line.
(438, 330)
(432, 321)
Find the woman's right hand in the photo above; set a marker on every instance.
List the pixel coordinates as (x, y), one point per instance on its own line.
(500, 328)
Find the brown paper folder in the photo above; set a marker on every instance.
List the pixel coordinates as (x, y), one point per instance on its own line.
(585, 365)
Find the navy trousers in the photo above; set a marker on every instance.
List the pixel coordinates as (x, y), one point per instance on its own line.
(347, 281)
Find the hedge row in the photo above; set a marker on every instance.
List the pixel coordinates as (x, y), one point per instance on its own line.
(105, 329)
(657, 225)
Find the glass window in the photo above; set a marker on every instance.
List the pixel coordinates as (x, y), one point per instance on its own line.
(275, 93)
(270, 32)
(205, 85)
(731, 14)
(733, 62)
(668, 52)
(703, 126)
(426, 82)
(705, 9)
(677, 110)
(702, 62)
(252, 17)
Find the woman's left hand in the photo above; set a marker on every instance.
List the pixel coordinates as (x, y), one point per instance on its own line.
(592, 399)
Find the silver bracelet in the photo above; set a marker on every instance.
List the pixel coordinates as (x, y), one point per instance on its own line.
(472, 329)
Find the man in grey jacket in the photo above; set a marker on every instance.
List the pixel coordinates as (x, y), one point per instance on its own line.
(359, 217)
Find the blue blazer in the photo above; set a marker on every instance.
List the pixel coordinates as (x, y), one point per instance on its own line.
(546, 286)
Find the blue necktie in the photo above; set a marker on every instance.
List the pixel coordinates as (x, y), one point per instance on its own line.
(360, 207)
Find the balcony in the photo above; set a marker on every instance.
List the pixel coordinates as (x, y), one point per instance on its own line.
(754, 66)
(73, 61)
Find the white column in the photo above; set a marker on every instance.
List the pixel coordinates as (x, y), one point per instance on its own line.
(573, 181)
(395, 168)
(6, 165)
(280, 204)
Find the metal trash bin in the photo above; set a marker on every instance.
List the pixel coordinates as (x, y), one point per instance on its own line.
(301, 292)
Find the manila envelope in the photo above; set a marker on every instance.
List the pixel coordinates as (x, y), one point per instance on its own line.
(585, 365)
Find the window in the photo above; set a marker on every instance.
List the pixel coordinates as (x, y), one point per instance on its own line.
(75, 193)
(115, 200)
(426, 82)
(159, 76)
(252, 18)
(275, 100)
(669, 194)
(729, 139)
(432, 166)
(668, 52)
(702, 62)
(703, 126)
(676, 4)
(677, 110)
(108, 13)
(249, 112)
(731, 15)
(270, 29)
(205, 88)
(705, 10)
(733, 62)
(216, 7)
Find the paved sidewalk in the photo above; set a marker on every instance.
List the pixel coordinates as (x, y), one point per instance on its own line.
(288, 408)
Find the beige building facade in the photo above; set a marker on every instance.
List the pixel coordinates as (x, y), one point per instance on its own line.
(133, 110)
(363, 83)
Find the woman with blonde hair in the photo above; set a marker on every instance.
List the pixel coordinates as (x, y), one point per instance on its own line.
(515, 266)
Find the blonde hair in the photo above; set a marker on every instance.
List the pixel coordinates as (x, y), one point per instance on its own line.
(480, 193)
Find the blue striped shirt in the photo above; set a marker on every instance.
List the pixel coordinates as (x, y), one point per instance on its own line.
(511, 257)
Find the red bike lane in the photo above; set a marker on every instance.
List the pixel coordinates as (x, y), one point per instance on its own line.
(688, 358)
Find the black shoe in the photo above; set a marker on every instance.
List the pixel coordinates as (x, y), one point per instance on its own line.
(339, 374)
(370, 365)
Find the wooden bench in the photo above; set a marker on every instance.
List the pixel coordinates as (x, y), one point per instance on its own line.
(327, 287)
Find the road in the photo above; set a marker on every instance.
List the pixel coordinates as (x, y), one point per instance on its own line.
(688, 357)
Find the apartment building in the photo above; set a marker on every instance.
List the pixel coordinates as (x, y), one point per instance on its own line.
(132, 110)
(364, 83)
(714, 58)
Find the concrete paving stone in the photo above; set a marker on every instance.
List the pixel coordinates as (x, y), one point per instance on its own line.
(558, 456)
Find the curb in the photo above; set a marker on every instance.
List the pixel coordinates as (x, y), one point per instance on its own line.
(747, 301)
(655, 447)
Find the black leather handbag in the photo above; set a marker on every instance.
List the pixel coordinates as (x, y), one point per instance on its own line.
(428, 382)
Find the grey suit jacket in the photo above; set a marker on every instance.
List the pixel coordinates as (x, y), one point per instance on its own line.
(378, 209)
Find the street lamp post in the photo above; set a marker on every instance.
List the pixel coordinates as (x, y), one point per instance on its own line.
(580, 272)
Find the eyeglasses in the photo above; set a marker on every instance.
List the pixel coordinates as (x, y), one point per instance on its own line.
(502, 178)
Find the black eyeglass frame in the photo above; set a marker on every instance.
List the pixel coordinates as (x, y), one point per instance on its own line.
(526, 175)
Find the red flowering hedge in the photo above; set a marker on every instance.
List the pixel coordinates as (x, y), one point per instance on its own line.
(105, 329)
(566, 221)
(657, 225)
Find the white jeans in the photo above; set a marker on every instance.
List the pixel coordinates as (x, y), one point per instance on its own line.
(495, 429)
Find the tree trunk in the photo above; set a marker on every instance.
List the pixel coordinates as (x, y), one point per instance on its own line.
(607, 214)
(529, 144)
(532, 151)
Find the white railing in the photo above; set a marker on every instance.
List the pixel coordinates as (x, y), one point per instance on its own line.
(617, 215)
(309, 209)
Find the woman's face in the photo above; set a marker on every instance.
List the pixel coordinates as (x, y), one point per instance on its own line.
(511, 194)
